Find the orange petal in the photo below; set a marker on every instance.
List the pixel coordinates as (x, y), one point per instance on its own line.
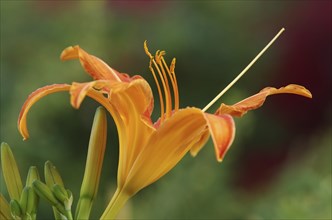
(34, 97)
(97, 68)
(140, 94)
(130, 105)
(199, 144)
(78, 91)
(165, 148)
(134, 103)
(256, 101)
(222, 131)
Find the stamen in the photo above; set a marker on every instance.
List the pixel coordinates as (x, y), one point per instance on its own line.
(167, 95)
(159, 92)
(159, 57)
(166, 91)
(171, 74)
(243, 72)
(147, 50)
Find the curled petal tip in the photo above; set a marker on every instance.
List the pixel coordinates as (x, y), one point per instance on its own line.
(31, 100)
(69, 53)
(78, 92)
(22, 128)
(222, 129)
(307, 93)
(291, 89)
(219, 160)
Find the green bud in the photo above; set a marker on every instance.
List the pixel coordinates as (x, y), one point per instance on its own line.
(93, 166)
(15, 209)
(10, 172)
(69, 202)
(60, 192)
(32, 204)
(63, 195)
(43, 191)
(24, 199)
(4, 208)
(52, 175)
(32, 176)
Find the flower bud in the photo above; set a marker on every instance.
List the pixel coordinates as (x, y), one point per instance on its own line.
(10, 172)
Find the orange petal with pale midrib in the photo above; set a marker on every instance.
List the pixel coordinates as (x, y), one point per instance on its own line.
(257, 100)
(166, 148)
(96, 68)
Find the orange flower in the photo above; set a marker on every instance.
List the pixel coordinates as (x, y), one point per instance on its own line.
(149, 150)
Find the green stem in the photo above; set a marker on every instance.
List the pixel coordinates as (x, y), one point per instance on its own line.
(118, 201)
(56, 213)
(69, 215)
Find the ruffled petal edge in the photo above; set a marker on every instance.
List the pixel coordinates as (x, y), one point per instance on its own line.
(257, 100)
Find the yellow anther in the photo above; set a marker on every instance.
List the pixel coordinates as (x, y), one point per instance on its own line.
(162, 53)
(172, 67)
(158, 63)
(171, 74)
(157, 56)
(147, 50)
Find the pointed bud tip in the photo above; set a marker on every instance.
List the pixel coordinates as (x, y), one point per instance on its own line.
(101, 109)
(4, 144)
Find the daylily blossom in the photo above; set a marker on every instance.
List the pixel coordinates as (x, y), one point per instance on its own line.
(148, 150)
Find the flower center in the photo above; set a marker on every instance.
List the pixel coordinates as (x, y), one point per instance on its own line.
(164, 74)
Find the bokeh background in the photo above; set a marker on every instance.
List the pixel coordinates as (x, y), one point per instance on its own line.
(279, 166)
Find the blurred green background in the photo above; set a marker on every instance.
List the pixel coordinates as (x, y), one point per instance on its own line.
(279, 166)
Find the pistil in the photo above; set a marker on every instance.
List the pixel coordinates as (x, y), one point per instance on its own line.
(243, 72)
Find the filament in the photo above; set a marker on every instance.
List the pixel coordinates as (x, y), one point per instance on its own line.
(159, 92)
(171, 74)
(165, 73)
